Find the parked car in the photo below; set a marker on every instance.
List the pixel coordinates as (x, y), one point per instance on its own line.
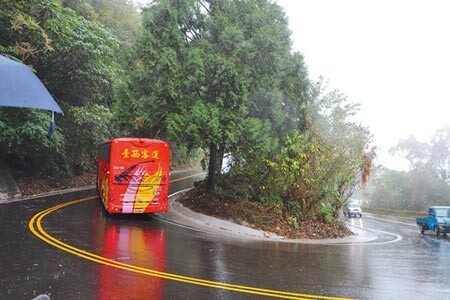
(352, 209)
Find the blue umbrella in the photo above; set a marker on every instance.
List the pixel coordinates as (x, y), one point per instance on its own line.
(20, 87)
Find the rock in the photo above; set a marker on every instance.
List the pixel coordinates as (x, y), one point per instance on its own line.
(8, 187)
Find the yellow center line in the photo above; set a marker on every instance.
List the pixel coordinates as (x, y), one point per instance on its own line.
(185, 177)
(35, 226)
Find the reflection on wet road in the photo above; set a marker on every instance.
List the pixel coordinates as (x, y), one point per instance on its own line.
(124, 241)
(95, 256)
(415, 267)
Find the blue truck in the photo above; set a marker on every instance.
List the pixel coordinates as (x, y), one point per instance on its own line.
(438, 220)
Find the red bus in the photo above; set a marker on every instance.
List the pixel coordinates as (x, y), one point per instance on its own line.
(133, 175)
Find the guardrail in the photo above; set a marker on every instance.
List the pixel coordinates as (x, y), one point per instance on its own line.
(399, 213)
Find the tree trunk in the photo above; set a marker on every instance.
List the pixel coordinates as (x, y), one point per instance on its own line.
(220, 154)
(211, 179)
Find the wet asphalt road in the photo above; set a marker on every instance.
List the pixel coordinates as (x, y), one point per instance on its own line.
(85, 254)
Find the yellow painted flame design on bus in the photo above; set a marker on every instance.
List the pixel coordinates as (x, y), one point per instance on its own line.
(104, 190)
(145, 192)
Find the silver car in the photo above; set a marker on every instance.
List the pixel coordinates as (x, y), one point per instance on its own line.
(352, 209)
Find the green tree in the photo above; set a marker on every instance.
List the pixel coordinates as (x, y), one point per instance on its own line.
(412, 190)
(321, 167)
(316, 170)
(93, 124)
(417, 153)
(440, 153)
(24, 144)
(333, 123)
(162, 70)
(427, 179)
(74, 57)
(390, 190)
(120, 16)
(253, 37)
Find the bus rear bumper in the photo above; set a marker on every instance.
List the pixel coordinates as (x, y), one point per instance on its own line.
(130, 208)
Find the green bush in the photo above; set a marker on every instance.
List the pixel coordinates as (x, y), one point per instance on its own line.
(24, 141)
(83, 128)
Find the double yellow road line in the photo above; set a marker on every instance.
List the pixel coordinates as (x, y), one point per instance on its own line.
(35, 226)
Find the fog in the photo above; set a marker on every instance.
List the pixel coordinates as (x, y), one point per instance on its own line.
(390, 56)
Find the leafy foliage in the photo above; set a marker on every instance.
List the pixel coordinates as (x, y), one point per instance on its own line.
(23, 141)
(74, 57)
(212, 77)
(120, 16)
(316, 171)
(92, 125)
(162, 61)
(305, 172)
(306, 179)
